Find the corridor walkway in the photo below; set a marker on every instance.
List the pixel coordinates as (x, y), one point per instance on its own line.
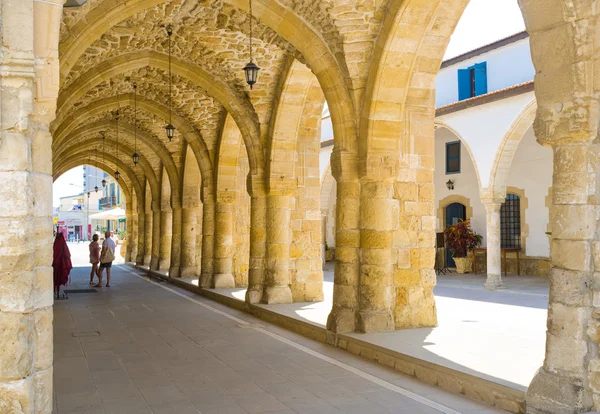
(146, 347)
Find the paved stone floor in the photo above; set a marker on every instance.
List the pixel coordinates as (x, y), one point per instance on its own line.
(146, 347)
(496, 335)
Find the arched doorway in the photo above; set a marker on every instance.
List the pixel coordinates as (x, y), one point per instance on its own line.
(454, 213)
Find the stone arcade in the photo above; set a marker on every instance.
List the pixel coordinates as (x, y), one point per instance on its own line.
(234, 198)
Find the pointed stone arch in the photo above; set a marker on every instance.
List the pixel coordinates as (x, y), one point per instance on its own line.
(508, 147)
(238, 106)
(101, 106)
(332, 75)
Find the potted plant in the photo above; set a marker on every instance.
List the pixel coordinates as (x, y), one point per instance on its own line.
(328, 253)
(461, 239)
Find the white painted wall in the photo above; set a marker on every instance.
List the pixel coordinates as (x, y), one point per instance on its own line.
(324, 161)
(531, 170)
(506, 66)
(483, 127)
(326, 128)
(465, 183)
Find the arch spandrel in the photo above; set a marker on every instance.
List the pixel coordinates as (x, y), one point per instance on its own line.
(103, 166)
(145, 170)
(237, 105)
(164, 155)
(310, 44)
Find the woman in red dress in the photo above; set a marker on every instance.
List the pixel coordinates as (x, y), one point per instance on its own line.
(61, 263)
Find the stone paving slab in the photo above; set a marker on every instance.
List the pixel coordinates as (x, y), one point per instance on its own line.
(497, 335)
(158, 352)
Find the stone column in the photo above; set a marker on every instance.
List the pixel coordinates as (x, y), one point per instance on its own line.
(278, 232)
(347, 242)
(139, 257)
(224, 219)
(378, 210)
(28, 91)
(208, 239)
(165, 236)
(494, 258)
(148, 229)
(130, 222)
(156, 220)
(174, 268)
(132, 236)
(258, 237)
(189, 226)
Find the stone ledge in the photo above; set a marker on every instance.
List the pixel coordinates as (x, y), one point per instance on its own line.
(476, 388)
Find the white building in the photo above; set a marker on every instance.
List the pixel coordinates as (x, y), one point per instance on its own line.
(485, 151)
(74, 211)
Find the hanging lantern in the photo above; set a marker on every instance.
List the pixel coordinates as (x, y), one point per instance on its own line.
(251, 69)
(251, 73)
(170, 131)
(96, 188)
(103, 182)
(136, 158)
(88, 194)
(117, 175)
(170, 128)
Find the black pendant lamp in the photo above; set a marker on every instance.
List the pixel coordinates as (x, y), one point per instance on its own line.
(117, 173)
(170, 128)
(135, 157)
(103, 156)
(251, 69)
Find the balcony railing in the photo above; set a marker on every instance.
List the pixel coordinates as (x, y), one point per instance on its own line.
(108, 201)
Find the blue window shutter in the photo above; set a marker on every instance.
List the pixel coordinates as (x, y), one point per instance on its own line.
(480, 78)
(464, 84)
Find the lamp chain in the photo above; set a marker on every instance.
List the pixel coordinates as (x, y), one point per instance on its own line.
(250, 18)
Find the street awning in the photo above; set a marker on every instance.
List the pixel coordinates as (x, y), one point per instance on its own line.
(114, 214)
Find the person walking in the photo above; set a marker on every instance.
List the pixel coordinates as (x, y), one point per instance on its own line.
(94, 257)
(107, 255)
(61, 263)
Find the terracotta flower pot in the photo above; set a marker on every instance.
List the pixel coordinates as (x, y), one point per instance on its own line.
(329, 255)
(463, 264)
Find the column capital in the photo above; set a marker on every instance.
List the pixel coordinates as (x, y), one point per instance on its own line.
(282, 186)
(574, 121)
(344, 165)
(492, 202)
(256, 185)
(382, 166)
(226, 197)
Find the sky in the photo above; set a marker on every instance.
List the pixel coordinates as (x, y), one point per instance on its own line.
(483, 22)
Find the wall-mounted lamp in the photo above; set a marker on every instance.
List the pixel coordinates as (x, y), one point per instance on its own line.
(450, 185)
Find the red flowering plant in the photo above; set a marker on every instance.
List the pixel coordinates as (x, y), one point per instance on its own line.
(460, 238)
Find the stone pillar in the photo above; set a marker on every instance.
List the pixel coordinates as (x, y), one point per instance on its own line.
(347, 242)
(141, 227)
(224, 219)
(258, 238)
(378, 210)
(165, 237)
(156, 220)
(130, 222)
(208, 239)
(132, 237)
(174, 268)
(494, 259)
(189, 226)
(28, 90)
(278, 232)
(148, 230)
